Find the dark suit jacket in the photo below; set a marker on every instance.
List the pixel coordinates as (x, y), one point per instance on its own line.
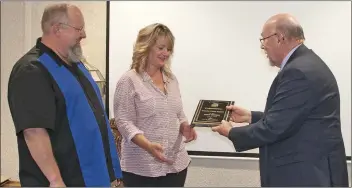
(299, 133)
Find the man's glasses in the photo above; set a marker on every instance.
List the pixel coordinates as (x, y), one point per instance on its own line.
(262, 39)
(76, 28)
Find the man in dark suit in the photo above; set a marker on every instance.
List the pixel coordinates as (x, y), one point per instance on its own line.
(299, 133)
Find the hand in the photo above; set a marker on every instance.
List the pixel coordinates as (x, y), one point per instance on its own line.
(223, 129)
(188, 132)
(157, 151)
(239, 115)
(58, 183)
(117, 183)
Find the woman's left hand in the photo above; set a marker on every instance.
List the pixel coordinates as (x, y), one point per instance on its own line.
(188, 132)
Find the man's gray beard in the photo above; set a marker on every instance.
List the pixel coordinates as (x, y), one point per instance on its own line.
(75, 54)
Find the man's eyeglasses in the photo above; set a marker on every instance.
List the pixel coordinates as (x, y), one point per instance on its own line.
(262, 39)
(76, 28)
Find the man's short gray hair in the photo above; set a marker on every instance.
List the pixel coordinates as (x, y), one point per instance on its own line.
(54, 14)
(290, 29)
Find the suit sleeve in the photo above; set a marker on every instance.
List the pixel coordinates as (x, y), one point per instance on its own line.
(31, 98)
(256, 116)
(291, 103)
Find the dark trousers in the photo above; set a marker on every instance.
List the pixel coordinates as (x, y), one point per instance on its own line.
(170, 180)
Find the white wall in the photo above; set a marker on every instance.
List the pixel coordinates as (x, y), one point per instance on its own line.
(12, 46)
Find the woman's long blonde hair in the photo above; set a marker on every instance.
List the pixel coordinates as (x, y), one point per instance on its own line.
(146, 39)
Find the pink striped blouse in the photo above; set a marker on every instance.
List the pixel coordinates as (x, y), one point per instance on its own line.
(141, 107)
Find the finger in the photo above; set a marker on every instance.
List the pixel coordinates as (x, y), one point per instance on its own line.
(163, 158)
(232, 108)
(226, 123)
(169, 161)
(160, 156)
(189, 138)
(194, 135)
(158, 147)
(215, 129)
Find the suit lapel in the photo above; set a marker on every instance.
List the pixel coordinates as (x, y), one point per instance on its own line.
(271, 94)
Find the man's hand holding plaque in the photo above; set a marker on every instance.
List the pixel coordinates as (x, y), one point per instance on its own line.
(210, 113)
(237, 115)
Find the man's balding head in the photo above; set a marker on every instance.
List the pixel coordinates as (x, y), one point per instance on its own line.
(63, 29)
(56, 14)
(286, 25)
(281, 33)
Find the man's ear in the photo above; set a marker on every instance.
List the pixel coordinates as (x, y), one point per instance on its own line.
(56, 28)
(281, 37)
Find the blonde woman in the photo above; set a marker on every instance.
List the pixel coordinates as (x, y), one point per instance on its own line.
(149, 115)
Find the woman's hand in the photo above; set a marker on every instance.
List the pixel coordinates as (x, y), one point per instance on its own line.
(188, 132)
(157, 151)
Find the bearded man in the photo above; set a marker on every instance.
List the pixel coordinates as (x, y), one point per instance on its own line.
(63, 134)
